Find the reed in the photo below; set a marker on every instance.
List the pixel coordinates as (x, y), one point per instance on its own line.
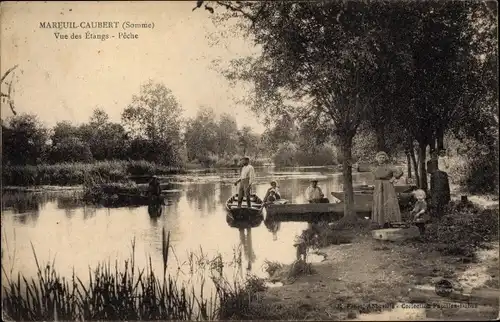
(122, 293)
(65, 174)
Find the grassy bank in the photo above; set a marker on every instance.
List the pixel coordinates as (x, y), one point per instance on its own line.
(462, 230)
(65, 174)
(362, 275)
(127, 293)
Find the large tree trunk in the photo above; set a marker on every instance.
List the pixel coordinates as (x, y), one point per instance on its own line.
(380, 134)
(408, 163)
(422, 147)
(347, 176)
(414, 161)
(440, 139)
(432, 146)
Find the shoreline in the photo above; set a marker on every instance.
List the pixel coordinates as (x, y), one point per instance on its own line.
(372, 281)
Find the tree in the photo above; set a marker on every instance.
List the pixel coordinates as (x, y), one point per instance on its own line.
(347, 63)
(155, 115)
(248, 141)
(286, 155)
(107, 140)
(63, 130)
(24, 140)
(70, 149)
(227, 136)
(281, 130)
(99, 118)
(444, 87)
(201, 136)
(321, 55)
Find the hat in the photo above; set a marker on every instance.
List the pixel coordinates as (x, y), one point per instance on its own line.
(314, 180)
(381, 153)
(244, 158)
(274, 182)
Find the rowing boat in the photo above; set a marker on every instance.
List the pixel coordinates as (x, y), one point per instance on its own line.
(244, 212)
(244, 223)
(312, 212)
(364, 199)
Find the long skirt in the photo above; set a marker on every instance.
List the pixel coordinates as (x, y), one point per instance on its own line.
(385, 203)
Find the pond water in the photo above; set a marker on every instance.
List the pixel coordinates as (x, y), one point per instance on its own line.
(75, 236)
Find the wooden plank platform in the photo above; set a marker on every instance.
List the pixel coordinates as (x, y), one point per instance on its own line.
(395, 234)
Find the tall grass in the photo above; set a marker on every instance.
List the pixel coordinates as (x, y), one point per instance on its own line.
(122, 293)
(76, 173)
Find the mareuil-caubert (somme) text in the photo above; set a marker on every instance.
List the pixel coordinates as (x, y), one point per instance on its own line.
(96, 30)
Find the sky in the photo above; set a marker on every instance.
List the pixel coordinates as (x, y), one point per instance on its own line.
(66, 79)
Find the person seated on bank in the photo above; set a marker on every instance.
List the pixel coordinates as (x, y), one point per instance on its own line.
(314, 194)
(272, 193)
(246, 180)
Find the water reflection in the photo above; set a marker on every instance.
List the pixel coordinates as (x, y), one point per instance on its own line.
(252, 222)
(88, 212)
(273, 227)
(20, 203)
(203, 197)
(85, 235)
(246, 243)
(69, 201)
(226, 191)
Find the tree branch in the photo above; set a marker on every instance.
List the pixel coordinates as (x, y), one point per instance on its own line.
(229, 6)
(8, 72)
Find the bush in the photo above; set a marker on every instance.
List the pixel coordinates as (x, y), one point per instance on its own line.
(472, 165)
(321, 156)
(322, 234)
(286, 155)
(463, 229)
(71, 149)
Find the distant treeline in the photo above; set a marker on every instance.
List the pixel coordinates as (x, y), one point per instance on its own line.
(152, 129)
(153, 137)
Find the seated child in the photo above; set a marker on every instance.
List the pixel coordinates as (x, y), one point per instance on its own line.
(272, 196)
(419, 212)
(272, 193)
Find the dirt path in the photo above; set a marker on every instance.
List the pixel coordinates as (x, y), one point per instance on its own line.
(367, 276)
(354, 278)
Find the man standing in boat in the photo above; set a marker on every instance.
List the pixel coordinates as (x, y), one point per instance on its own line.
(314, 194)
(246, 180)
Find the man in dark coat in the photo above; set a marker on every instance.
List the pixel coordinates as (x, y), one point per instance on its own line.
(439, 188)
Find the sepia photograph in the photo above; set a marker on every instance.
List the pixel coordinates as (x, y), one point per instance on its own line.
(249, 160)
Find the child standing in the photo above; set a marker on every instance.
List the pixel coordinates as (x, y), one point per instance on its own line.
(419, 212)
(300, 247)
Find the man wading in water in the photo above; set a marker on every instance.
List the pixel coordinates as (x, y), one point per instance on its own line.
(246, 180)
